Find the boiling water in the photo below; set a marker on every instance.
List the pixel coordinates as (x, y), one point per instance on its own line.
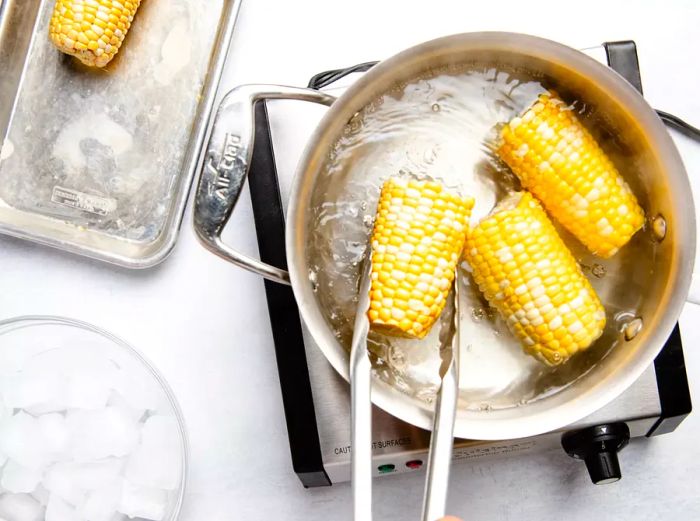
(442, 126)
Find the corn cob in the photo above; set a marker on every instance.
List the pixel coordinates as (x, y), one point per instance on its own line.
(418, 238)
(91, 30)
(558, 160)
(528, 274)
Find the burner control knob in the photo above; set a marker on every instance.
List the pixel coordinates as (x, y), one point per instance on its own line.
(598, 447)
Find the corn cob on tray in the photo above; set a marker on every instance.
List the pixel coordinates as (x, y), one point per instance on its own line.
(91, 30)
(95, 160)
(558, 160)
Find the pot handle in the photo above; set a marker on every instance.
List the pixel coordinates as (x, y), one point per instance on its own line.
(226, 164)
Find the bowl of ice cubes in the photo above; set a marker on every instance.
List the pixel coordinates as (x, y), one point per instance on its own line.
(89, 430)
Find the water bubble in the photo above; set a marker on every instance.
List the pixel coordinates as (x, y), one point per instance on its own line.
(632, 328)
(556, 357)
(658, 226)
(367, 220)
(313, 278)
(364, 205)
(397, 358)
(435, 107)
(477, 314)
(598, 271)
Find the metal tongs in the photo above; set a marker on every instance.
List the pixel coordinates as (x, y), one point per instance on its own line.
(440, 454)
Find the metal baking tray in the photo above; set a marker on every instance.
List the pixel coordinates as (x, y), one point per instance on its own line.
(100, 161)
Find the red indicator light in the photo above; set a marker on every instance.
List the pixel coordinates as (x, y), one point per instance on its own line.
(414, 464)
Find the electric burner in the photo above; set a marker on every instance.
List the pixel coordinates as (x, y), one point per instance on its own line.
(317, 400)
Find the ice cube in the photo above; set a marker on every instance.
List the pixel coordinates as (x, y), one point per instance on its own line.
(87, 391)
(26, 389)
(17, 478)
(71, 480)
(59, 510)
(98, 434)
(147, 503)
(60, 483)
(55, 433)
(22, 441)
(118, 401)
(20, 507)
(4, 411)
(139, 390)
(87, 374)
(41, 495)
(101, 504)
(157, 461)
(46, 408)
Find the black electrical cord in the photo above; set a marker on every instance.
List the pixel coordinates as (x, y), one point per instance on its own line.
(678, 124)
(323, 79)
(326, 78)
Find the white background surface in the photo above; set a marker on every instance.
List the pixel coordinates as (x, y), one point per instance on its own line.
(204, 323)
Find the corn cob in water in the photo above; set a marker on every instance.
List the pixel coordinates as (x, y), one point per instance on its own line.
(91, 30)
(526, 272)
(558, 160)
(418, 238)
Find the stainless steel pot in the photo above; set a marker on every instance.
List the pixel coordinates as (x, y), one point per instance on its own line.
(661, 184)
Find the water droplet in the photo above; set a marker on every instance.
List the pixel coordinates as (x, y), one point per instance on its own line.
(598, 271)
(485, 407)
(367, 220)
(436, 107)
(658, 225)
(477, 314)
(556, 357)
(633, 328)
(364, 205)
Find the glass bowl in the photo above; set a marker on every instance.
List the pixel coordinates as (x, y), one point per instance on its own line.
(77, 401)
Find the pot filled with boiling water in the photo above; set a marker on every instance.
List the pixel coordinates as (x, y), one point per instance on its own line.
(437, 111)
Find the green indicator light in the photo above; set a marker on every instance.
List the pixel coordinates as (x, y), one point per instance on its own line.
(383, 469)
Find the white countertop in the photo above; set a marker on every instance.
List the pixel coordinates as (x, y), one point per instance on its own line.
(204, 323)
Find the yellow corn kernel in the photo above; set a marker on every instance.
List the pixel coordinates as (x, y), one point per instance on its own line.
(418, 237)
(553, 309)
(91, 30)
(559, 161)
